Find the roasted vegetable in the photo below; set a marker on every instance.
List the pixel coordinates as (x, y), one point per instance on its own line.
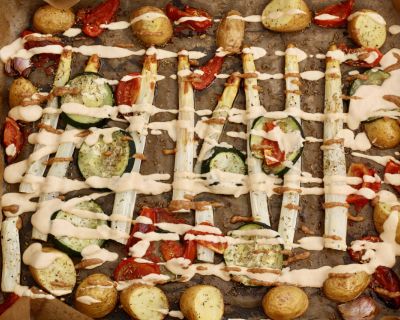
(20, 89)
(202, 302)
(210, 70)
(129, 269)
(194, 19)
(151, 31)
(346, 287)
(143, 302)
(334, 16)
(96, 296)
(373, 77)
(382, 212)
(230, 33)
(128, 91)
(393, 168)
(386, 282)
(363, 308)
(367, 28)
(50, 20)
(286, 15)
(13, 139)
(366, 57)
(384, 133)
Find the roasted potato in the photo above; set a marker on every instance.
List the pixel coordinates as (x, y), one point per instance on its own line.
(383, 133)
(96, 296)
(59, 278)
(202, 302)
(20, 89)
(346, 287)
(151, 31)
(381, 213)
(285, 303)
(48, 19)
(367, 28)
(230, 33)
(143, 302)
(286, 15)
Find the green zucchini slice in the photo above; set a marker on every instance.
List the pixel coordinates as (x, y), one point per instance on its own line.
(226, 160)
(374, 77)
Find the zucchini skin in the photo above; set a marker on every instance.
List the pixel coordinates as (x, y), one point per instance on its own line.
(206, 165)
(83, 125)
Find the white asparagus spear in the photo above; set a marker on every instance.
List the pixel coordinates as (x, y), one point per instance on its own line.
(290, 200)
(258, 200)
(65, 150)
(124, 203)
(334, 158)
(213, 134)
(61, 78)
(11, 254)
(184, 133)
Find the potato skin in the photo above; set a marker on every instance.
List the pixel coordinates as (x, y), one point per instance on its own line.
(381, 214)
(20, 89)
(152, 32)
(48, 19)
(230, 33)
(383, 133)
(343, 288)
(285, 303)
(107, 296)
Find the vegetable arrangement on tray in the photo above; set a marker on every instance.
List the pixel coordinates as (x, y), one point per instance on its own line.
(106, 129)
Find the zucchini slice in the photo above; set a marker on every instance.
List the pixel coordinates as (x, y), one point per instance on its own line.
(226, 160)
(287, 125)
(93, 94)
(374, 77)
(72, 245)
(245, 254)
(107, 160)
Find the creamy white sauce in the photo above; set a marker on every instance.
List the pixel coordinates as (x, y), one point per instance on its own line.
(119, 25)
(312, 75)
(72, 32)
(256, 51)
(95, 252)
(359, 142)
(253, 18)
(325, 17)
(89, 300)
(371, 14)
(35, 257)
(11, 150)
(285, 13)
(395, 29)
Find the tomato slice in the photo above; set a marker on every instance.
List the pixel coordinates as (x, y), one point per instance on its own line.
(12, 135)
(128, 91)
(10, 299)
(174, 13)
(360, 170)
(273, 156)
(387, 279)
(102, 14)
(210, 69)
(171, 249)
(218, 247)
(129, 269)
(356, 256)
(340, 11)
(360, 52)
(393, 168)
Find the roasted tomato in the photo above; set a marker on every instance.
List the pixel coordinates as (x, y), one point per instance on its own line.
(171, 249)
(210, 69)
(10, 299)
(174, 14)
(92, 18)
(13, 139)
(128, 91)
(393, 168)
(129, 269)
(338, 12)
(363, 56)
(386, 279)
(360, 170)
(356, 256)
(218, 247)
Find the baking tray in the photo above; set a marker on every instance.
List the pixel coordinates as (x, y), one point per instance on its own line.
(240, 302)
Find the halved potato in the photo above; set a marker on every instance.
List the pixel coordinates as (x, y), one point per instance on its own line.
(202, 302)
(383, 133)
(59, 278)
(150, 30)
(20, 89)
(48, 19)
(143, 302)
(286, 15)
(230, 33)
(96, 296)
(382, 211)
(346, 287)
(285, 302)
(367, 28)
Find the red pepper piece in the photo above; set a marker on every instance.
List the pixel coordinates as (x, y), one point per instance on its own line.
(8, 302)
(174, 14)
(273, 155)
(341, 11)
(128, 91)
(362, 53)
(12, 135)
(360, 170)
(210, 69)
(129, 269)
(387, 279)
(393, 168)
(190, 251)
(356, 256)
(92, 18)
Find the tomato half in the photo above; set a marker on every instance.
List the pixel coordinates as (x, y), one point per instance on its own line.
(129, 269)
(127, 92)
(360, 170)
(210, 69)
(360, 52)
(12, 135)
(171, 249)
(393, 168)
(174, 13)
(387, 279)
(340, 13)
